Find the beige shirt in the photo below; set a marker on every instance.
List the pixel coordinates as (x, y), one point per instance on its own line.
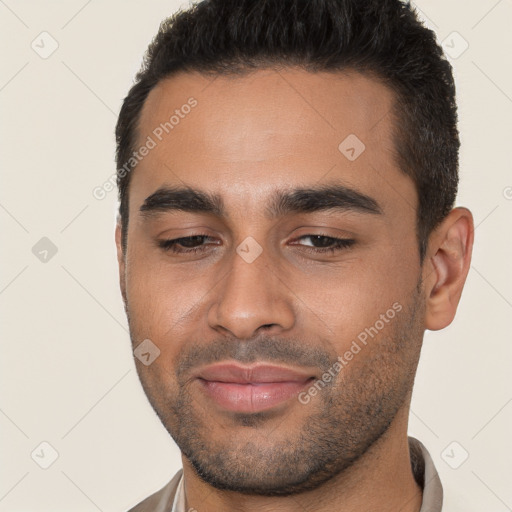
(172, 497)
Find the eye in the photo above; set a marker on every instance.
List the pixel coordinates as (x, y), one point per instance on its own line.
(326, 244)
(185, 245)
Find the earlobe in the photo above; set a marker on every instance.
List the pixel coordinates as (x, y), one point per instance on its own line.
(450, 249)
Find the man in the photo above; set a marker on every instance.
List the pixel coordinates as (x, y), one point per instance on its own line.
(287, 173)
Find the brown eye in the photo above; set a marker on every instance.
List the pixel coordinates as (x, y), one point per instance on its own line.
(326, 244)
(186, 244)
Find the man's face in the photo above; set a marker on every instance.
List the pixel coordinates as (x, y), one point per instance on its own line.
(254, 288)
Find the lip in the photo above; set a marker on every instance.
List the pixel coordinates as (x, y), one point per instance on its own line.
(251, 388)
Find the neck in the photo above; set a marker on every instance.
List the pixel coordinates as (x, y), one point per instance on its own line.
(381, 479)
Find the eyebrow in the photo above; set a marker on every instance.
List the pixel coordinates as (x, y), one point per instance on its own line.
(282, 202)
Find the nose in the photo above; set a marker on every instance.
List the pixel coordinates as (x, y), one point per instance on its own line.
(251, 297)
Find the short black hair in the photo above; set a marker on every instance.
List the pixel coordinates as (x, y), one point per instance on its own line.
(383, 39)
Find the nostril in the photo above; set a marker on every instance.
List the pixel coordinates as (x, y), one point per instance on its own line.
(267, 326)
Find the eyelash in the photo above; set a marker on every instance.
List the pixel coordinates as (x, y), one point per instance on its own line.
(339, 244)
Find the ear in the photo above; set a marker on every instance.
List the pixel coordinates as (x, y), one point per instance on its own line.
(447, 266)
(121, 259)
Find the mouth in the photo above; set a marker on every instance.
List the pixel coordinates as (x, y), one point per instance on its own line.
(253, 388)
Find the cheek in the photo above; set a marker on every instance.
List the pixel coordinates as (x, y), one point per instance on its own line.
(344, 302)
(148, 298)
(162, 303)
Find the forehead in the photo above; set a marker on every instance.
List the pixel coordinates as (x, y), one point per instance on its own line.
(246, 136)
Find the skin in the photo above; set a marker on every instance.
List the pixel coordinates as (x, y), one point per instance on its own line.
(248, 136)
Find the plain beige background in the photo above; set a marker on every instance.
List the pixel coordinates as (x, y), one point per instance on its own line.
(67, 373)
